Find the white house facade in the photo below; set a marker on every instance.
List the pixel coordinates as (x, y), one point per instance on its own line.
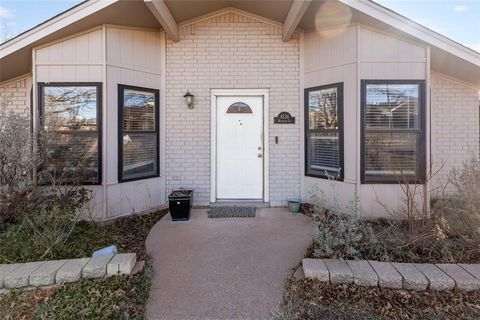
(288, 100)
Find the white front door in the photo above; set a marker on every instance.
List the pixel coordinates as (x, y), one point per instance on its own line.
(240, 150)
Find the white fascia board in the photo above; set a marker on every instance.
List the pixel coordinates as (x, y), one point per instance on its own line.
(53, 25)
(414, 29)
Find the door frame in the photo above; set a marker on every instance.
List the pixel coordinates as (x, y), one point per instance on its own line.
(264, 93)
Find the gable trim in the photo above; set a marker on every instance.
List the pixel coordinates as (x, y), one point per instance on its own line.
(50, 26)
(408, 26)
(239, 12)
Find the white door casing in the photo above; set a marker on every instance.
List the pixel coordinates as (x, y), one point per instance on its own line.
(239, 145)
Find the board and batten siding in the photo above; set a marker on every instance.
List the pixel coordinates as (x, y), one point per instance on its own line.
(231, 50)
(331, 57)
(455, 125)
(383, 56)
(110, 55)
(349, 55)
(133, 57)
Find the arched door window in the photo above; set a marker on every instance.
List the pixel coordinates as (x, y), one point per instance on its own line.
(239, 107)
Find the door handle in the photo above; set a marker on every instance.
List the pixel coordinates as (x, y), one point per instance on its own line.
(260, 155)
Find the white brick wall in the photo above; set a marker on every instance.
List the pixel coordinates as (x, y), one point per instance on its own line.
(455, 125)
(16, 95)
(230, 51)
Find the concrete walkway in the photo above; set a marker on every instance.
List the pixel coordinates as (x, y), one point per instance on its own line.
(224, 268)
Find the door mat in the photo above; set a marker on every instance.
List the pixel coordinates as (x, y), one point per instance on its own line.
(231, 212)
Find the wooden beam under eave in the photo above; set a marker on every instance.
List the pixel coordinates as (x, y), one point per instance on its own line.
(164, 16)
(295, 14)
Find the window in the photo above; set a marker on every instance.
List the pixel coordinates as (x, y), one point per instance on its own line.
(70, 115)
(324, 131)
(239, 107)
(392, 131)
(138, 156)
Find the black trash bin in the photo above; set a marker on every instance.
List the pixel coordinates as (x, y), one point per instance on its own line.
(180, 203)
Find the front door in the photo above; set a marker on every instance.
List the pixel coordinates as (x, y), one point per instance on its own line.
(239, 148)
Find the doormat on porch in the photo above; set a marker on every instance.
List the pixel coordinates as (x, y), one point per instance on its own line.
(231, 212)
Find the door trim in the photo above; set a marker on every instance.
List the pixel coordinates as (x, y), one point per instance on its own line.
(213, 136)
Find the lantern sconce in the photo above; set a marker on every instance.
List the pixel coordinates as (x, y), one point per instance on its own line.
(189, 99)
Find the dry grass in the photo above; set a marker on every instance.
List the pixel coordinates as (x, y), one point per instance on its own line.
(312, 299)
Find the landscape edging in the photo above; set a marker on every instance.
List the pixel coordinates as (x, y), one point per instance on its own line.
(56, 272)
(393, 275)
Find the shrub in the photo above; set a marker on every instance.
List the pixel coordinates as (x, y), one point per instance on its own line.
(460, 211)
(449, 233)
(17, 164)
(339, 232)
(341, 236)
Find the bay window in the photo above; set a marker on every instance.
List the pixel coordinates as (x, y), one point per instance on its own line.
(324, 131)
(138, 133)
(393, 131)
(71, 121)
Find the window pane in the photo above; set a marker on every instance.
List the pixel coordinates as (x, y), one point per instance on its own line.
(323, 109)
(70, 108)
(70, 121)
(139, 155)
(239, 107)
(394, 106)
(323, 137)
(324, 152)
(138, 110)
(388, 154)
(73, 157)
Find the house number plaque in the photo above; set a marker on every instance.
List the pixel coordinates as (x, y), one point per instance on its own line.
(284, 117)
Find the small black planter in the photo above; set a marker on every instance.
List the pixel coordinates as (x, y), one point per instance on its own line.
(180, 203)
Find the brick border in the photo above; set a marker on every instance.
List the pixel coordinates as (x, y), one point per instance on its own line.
(56, 272)
(393, 275)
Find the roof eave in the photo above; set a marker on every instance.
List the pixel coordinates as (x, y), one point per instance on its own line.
(416, 30)
(60, 21)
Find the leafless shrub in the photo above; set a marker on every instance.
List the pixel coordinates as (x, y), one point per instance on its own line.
(414, 233)
(460, 210)
(18, 162)
(416, 196)
(40, 190)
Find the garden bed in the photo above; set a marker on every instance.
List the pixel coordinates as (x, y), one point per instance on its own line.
(127, 233)
(121, 297)
(338, 236)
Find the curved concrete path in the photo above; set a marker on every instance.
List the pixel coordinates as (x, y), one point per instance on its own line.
(224, 268)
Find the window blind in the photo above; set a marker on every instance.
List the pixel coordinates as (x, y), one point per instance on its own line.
(323, 135)
(392, 138)
(139, 133)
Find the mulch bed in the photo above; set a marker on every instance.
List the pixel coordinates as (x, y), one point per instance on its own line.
(312, 299)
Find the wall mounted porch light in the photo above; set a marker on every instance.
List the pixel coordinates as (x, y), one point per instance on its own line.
(189, 99)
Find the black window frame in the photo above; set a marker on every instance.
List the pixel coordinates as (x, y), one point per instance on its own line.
(420, 169)
(99, 86)
(121, 88)
(321, 173)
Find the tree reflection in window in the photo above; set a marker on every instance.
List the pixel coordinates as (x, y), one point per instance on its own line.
(70, 119)
(239, 107)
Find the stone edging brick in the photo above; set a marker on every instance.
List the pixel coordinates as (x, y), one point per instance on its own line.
(57, 272)
(408, 276)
